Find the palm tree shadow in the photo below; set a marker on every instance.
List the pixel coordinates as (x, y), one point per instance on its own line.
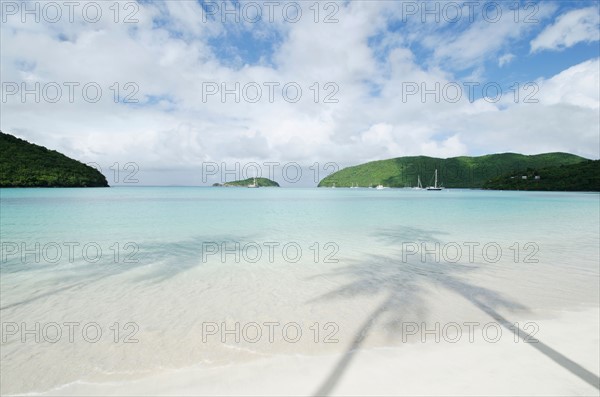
(174, 258)
(159, 263)
(404, 281)
(559, 358)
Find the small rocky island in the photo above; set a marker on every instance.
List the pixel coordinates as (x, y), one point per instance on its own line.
(23, 164)
(250, 182)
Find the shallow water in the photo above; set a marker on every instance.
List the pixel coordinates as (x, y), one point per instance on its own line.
(155, 279)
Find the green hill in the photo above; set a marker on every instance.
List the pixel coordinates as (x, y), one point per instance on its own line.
(261, 182)
(23, 164)
(455, 172)
(584, 176)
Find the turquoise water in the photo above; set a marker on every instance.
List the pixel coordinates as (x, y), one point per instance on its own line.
(179, 214)
(173, 221)
(161, 265)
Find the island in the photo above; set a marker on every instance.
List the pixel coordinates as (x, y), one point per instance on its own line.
(456, 172)
(580, 177)
(24, 164)
(250, 182)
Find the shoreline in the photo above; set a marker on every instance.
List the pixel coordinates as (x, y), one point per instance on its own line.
(505, 367)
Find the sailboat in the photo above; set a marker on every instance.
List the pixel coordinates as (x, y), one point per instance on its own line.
(354, 187)
(380, 187)
(419, 185)
(254, 184)
(435, 185)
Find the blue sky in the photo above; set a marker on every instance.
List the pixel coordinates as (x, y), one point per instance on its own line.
(366, 58)
(255, 44)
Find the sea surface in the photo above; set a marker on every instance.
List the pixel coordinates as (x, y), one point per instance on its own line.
(107, 286)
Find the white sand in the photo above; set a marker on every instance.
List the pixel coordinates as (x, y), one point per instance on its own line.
(480, 368)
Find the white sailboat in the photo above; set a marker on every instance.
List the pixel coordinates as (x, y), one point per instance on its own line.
(380, 187)
(254, 184)
(354, 187)
(435, 185)
(419, 185)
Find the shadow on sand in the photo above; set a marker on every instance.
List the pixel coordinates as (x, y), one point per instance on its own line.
(403, 283)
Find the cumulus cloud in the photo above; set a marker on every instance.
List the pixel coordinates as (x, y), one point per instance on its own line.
(170, 55)
(575, 86)
(555, 114)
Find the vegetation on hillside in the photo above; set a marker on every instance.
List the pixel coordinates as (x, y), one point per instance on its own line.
(584, 176)
(23, 164)
(261, 182)
(456, 172)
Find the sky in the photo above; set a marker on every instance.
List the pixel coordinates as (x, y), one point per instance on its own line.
(195, 92)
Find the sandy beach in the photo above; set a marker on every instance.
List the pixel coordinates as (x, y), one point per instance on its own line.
(556, 364)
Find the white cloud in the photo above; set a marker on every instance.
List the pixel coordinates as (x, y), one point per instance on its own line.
(505, 59)
(576, 26)
(562, 116)
(576, 86)
(482, 39)
(181, 131)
